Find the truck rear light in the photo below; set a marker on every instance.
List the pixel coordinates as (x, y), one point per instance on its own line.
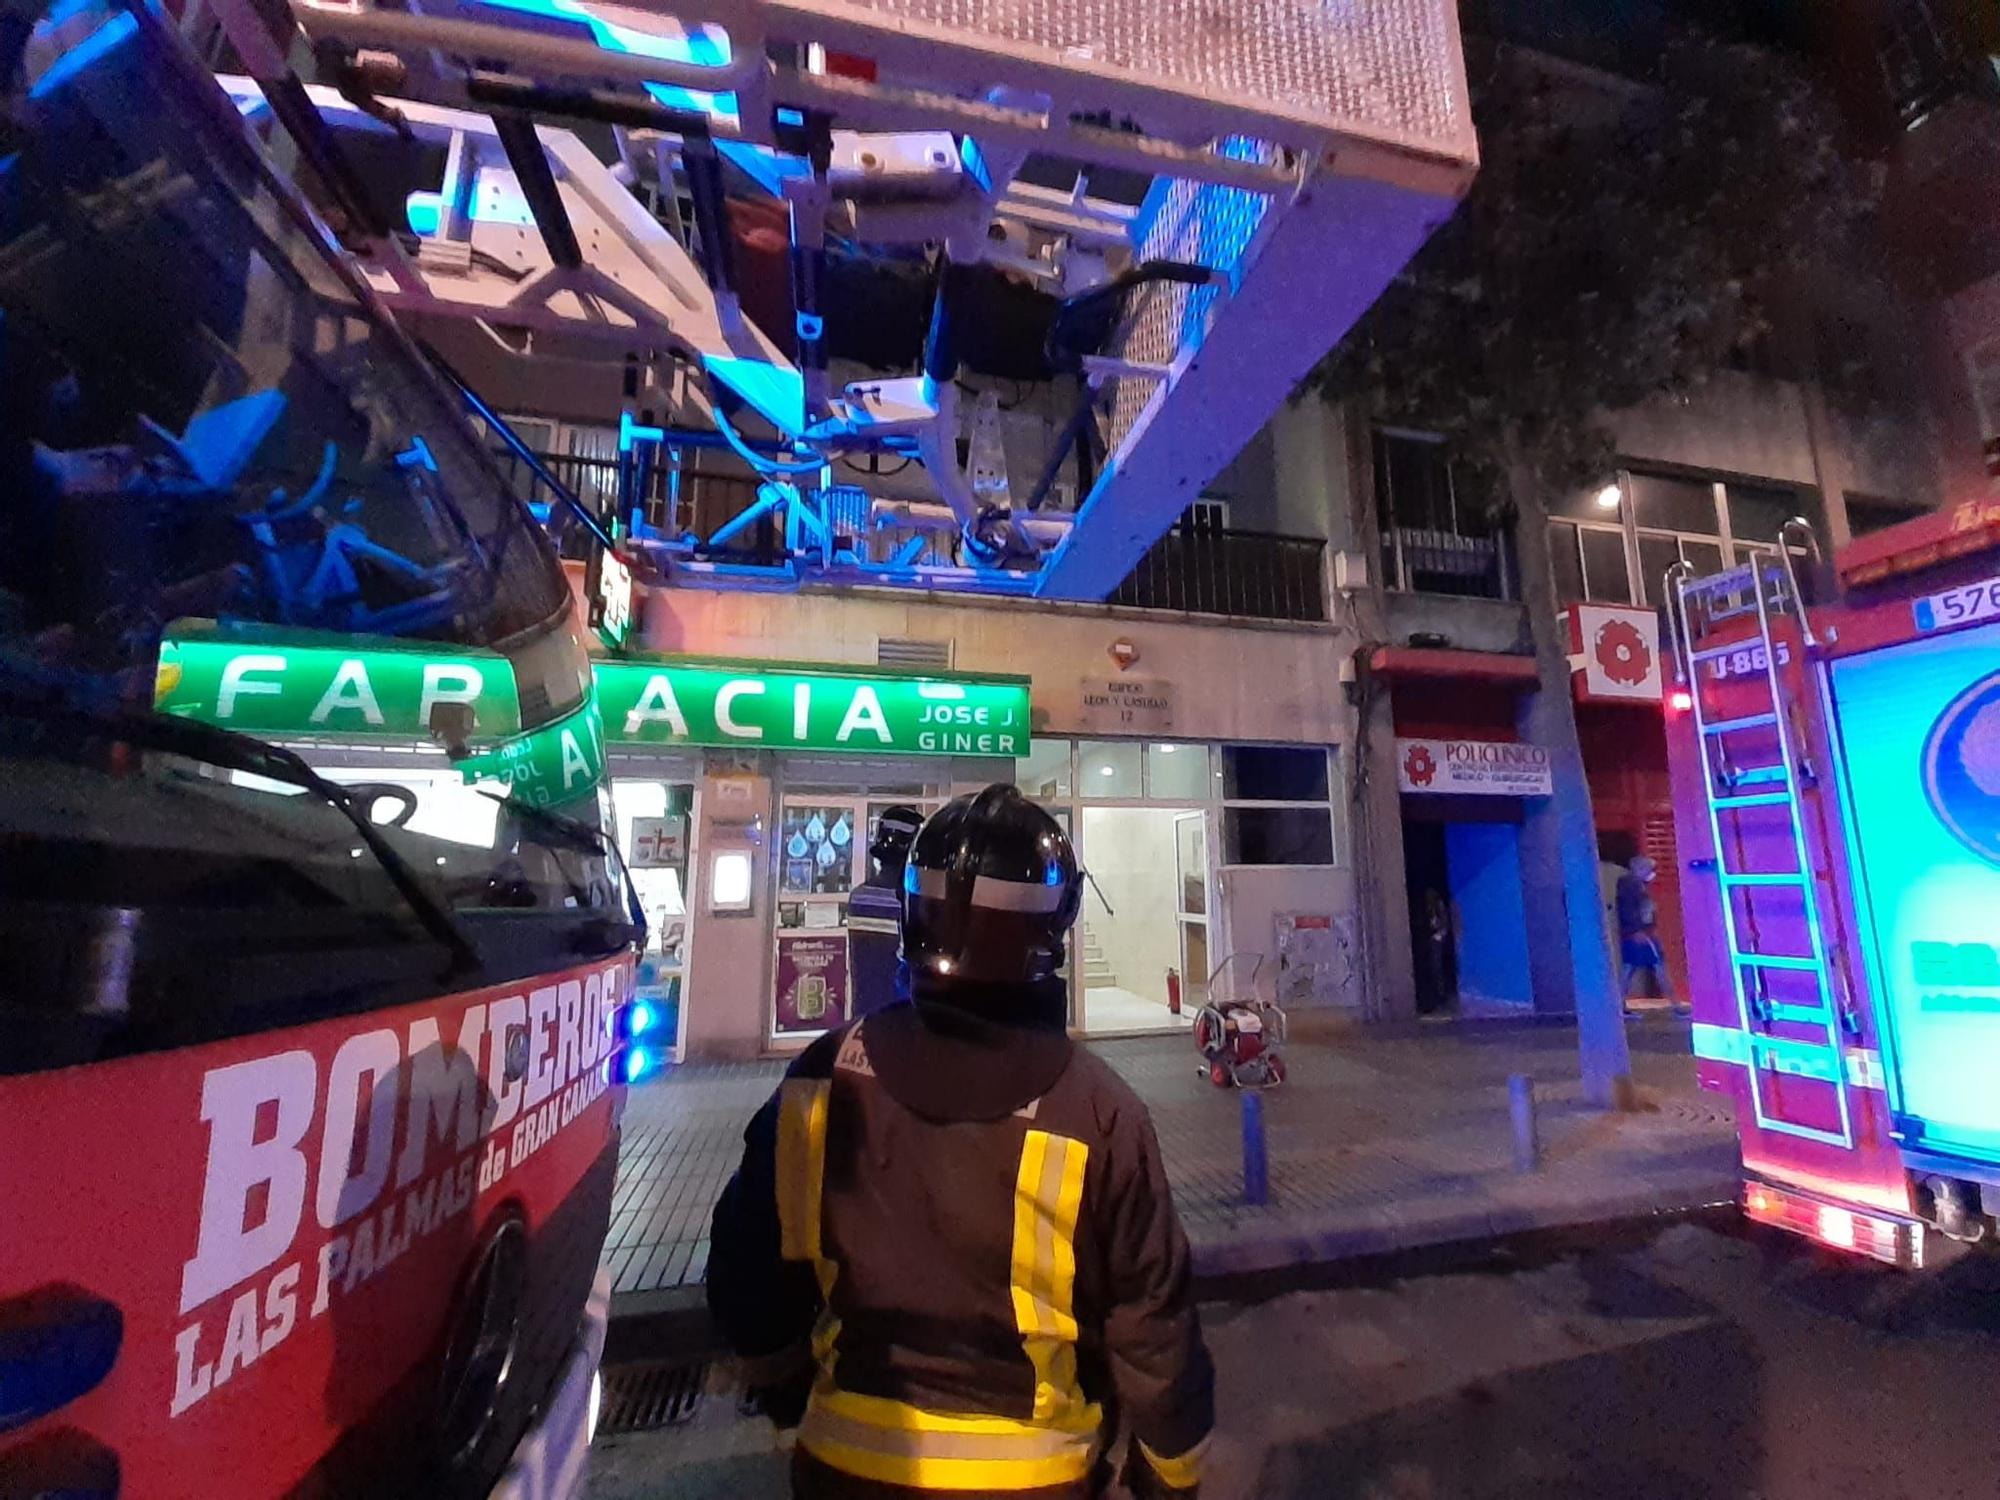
(1883, 1237)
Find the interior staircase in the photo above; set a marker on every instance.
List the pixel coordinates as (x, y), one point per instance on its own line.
(1097, 973)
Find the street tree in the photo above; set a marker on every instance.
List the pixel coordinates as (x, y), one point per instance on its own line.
(1622, 238)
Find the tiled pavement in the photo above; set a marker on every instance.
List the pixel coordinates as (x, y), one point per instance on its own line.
(683, 1134)
(1376, 1142)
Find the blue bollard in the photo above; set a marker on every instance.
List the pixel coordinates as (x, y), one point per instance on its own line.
(1256, 1180)
(1521, 1109)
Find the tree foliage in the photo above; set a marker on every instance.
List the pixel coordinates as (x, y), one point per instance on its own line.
(1620, 240)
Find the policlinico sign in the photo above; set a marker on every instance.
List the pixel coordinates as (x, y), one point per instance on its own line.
(329, 690)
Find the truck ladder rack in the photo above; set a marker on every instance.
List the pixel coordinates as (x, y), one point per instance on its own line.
(1700, 607)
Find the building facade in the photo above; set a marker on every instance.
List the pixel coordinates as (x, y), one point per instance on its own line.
(1297, 747)
(1198, 764)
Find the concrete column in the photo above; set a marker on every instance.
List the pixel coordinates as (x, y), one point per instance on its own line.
(1321, 457)
(1381, 897)
(1833, 498)
(729, 962)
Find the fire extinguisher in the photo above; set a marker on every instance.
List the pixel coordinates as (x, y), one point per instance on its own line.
(1173, 992)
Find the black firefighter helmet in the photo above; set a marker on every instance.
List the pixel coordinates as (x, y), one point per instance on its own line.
(990, 888)
(894, 830)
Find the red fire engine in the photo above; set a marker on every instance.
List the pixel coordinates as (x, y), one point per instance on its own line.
(309, 1085)
(1834, 740)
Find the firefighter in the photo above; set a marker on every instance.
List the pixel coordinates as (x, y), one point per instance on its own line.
(949, 1253)
(875, 913)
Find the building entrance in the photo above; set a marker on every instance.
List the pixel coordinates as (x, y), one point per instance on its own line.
(1142, 939)
(1468, 918)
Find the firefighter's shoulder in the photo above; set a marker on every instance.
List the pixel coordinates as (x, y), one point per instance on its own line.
(1114, 1105)
(818, 1060)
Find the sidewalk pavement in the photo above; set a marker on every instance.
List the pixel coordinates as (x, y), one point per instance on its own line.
(1378, 1142)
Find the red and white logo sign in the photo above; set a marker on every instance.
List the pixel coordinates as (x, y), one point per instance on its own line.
(1616, 652)
(1476, 768)
(1621, 650)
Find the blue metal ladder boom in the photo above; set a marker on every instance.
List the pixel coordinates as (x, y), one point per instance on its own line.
(1700, 605)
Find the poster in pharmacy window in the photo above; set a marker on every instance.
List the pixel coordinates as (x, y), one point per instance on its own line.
(812, 983)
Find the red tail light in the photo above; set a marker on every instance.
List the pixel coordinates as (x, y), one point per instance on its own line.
(1896, 1242)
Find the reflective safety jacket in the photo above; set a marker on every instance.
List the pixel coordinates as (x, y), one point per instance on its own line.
(874, 944)
(973, 1226)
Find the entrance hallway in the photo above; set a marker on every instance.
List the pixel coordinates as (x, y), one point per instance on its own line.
(1144, 929)
(1378, 1140)
(1114, 1010)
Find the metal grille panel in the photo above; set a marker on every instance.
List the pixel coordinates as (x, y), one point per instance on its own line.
(646, 1397)
(1196, 223)
(1385, 67)
(897, 651)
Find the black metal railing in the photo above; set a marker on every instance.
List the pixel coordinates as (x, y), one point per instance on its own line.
(1250, 575)
(705, 501)
(1425, 561)
(594, 481)
(1203, 570)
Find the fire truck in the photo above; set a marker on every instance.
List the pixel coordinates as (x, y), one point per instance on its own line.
(309, 1083)
(1834, 743)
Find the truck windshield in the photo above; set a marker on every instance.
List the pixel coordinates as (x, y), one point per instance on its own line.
(201, 412)
(232, 491)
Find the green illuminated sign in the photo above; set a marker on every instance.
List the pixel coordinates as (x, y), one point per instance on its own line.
(548, 766)
(329, 689)
(748, 706)
(333, 690)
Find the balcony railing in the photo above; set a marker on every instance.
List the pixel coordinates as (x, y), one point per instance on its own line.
(705, 501)
(1250, 575)
(1204, 570)
(1424, 561)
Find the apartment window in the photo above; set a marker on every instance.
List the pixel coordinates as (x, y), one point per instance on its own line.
(1044, 773)
(1758, 514)
(1606, 578)
(1208, 516)
(1277, 806)
(1178, 773)
(1867, 515)
(1438, 531)
(1659, 552)
(1982, 365)
(1566, 563)
(1663, 502)
(1109, 768)
(1589, 563)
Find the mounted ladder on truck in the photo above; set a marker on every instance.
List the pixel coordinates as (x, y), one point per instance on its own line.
(1835, 762)
(1745, 690)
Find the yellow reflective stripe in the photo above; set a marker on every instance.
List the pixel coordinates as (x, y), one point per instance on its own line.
(801, 1168)
(900, 1416)
(893, 1442)
(801, 1164)
(1182, 1473)
(1027, 1182)
(1069, 1202)
(1048, 1197)
(974, 1475)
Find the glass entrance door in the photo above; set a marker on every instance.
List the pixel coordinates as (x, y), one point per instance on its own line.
(1191, 887)
(1142, 939)
(655, 833)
